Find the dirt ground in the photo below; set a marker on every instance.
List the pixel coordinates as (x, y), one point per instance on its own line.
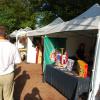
(29, 84)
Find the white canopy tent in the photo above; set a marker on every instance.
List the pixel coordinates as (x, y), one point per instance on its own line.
(16, 34)
(38, 31)
(45, 29)
(20, 32)
(13, 34)
(87, 21)
(85, 24)
(31, 51)
(95, 82)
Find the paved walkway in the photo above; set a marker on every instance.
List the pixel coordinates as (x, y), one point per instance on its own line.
(29, 85)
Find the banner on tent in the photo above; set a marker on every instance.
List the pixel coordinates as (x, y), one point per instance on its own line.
(50, 45)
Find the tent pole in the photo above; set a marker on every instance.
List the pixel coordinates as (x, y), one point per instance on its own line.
(17, 41)
(95, 81)
(42, 40)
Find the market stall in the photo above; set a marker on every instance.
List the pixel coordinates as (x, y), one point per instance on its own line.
(33, 51)
(83, 28)
(36, 41)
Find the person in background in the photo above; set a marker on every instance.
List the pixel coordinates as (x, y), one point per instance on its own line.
(80, 52)
(9, 56)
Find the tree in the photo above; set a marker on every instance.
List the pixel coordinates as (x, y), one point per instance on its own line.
(17, 14)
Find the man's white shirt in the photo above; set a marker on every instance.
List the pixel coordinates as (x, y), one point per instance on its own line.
(9, 56)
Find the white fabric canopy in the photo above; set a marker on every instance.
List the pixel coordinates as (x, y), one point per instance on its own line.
(91, 12)
(43, 30)
(13, 34)
(95, 82)
(20, 32)
(88, 20)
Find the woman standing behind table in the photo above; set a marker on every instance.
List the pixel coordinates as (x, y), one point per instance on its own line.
(80, 52)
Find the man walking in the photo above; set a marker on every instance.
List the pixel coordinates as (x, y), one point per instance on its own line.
(9, 56)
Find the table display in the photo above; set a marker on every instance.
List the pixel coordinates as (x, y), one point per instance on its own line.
(70, 85)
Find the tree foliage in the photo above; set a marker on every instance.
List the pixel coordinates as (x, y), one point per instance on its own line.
(17, 14)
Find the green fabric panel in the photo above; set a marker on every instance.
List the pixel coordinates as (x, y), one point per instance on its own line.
(51, 44)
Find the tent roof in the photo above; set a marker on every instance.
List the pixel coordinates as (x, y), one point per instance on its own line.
(42, 31)
(20, 32)
(39, 31)
(89, 20)
(27, 29)
(77, 24)
(13, 34)
(91, 12)
(55, 22)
